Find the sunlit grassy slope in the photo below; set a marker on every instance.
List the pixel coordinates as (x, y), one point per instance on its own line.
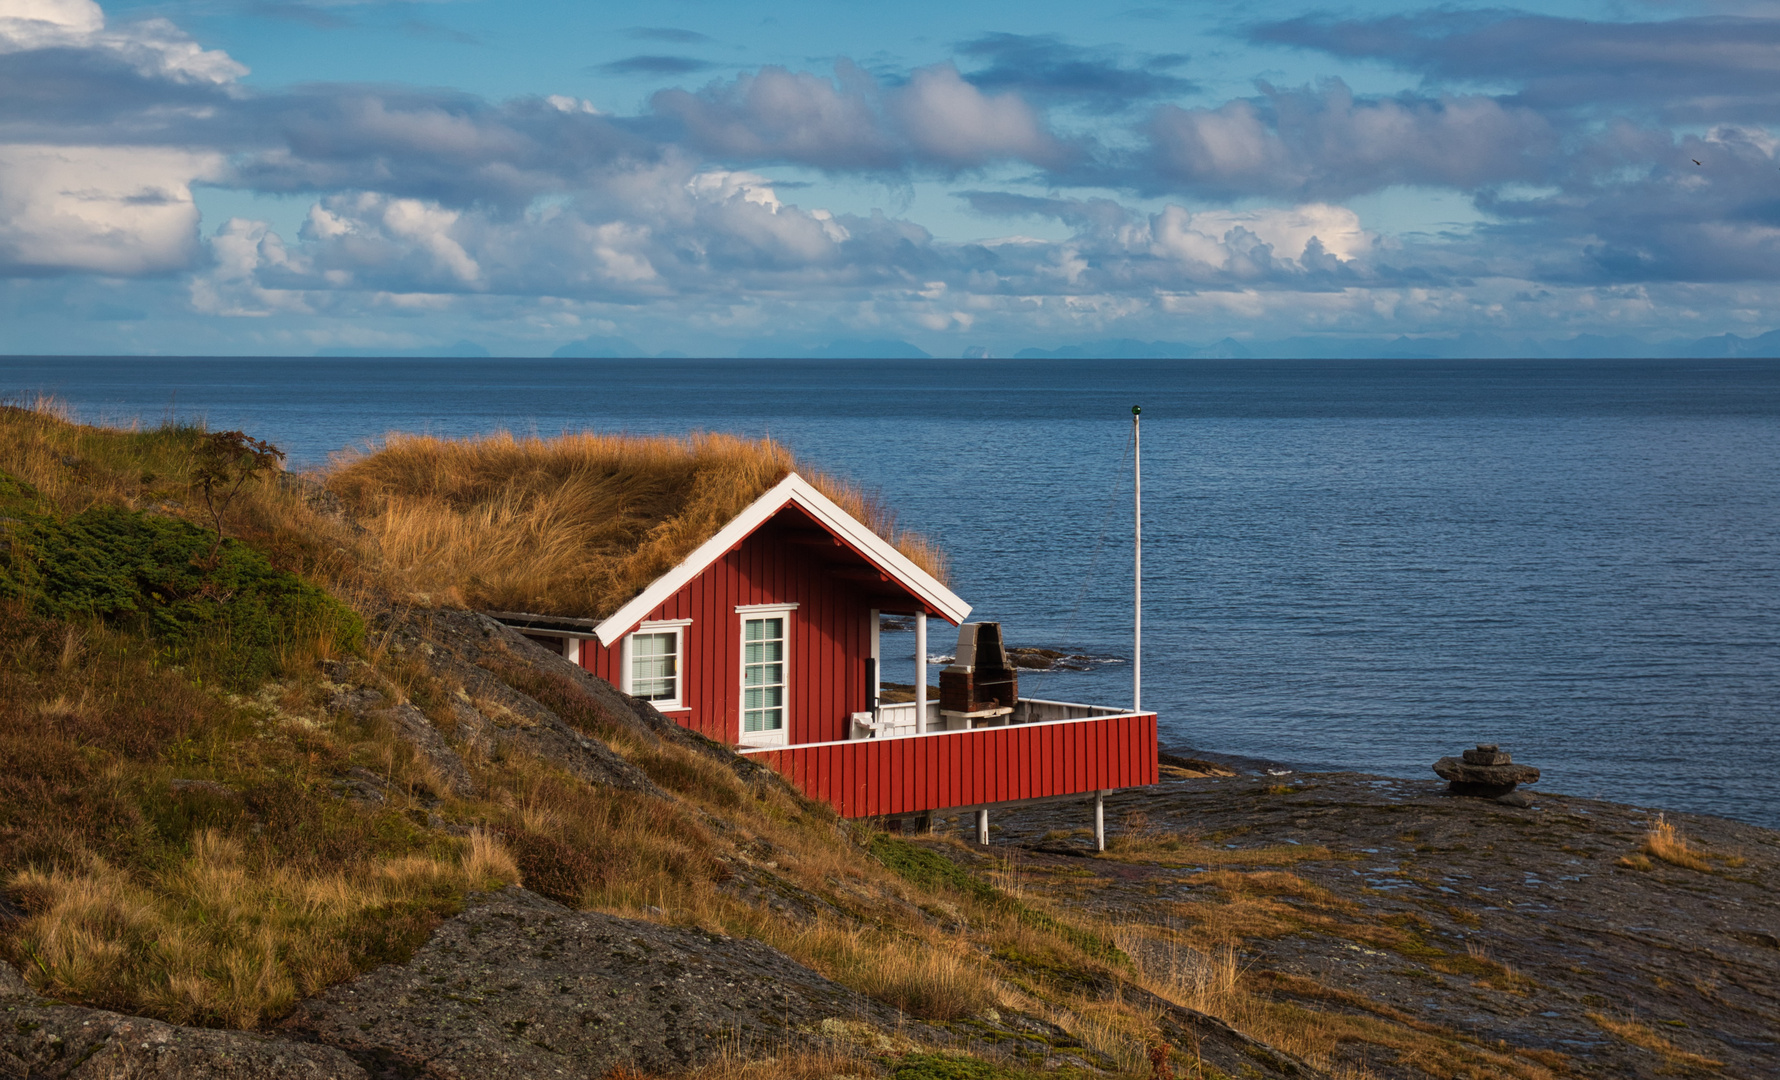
(172, 816)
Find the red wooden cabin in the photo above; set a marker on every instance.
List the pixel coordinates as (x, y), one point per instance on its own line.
(766, 638)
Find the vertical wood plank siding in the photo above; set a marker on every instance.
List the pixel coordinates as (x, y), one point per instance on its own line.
(830, 641)
(830, 638)
(872, 777)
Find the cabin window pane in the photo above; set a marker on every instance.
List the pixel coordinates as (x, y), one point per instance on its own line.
(763, 675)
(655, 666)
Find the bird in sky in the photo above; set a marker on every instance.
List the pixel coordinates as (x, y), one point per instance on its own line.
(1696, 161)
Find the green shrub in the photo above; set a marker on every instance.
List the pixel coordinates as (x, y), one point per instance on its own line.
(231, 613)
(941, 1067)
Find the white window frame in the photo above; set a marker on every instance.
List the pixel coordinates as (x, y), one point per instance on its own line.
(676, 627)
(745, 612)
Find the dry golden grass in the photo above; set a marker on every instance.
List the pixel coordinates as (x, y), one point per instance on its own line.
(1664, 841)
(1194, 961)
(1641, 1035)
(77, 465)
(918, 973)
(1138, 840)
(574, 525)
(1206, 980)
(1213, 981)
(180, 852)
(634, 855)
(222, 938)
(1489, 971)
(1110, 1028)
(1268, 904)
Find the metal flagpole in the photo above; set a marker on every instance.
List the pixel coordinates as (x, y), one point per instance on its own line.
(1137, 564)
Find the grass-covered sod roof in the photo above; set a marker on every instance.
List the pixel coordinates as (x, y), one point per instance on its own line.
(574, 525)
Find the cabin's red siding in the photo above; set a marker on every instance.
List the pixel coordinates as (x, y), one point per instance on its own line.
(792, 559)
(873, 777)
(830, 639)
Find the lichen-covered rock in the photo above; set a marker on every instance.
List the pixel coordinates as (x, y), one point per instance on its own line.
(462, 645)
(410, 725)
(43, 1040)
(519, 986)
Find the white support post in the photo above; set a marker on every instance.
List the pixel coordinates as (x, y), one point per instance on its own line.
(921, 674)
(983, 827)
(571, 650)
(877, 662)
(1100, 821)
(1137, 562)
(624, 664)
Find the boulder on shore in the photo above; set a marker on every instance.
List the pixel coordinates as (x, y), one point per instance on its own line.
(520, 986)
(1486, 772)
(46, 1040)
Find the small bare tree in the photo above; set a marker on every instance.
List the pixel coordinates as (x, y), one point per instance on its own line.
(226, 461)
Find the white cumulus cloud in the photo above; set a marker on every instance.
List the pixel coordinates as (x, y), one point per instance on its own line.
(1211, 237)
(153, 46)
(104, 210)
(948, 120)
(1328, 143)
(935, 120)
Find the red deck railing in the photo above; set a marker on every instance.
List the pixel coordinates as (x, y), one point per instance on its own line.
(944, 769)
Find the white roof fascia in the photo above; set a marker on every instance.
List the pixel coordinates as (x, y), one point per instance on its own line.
(792, 489)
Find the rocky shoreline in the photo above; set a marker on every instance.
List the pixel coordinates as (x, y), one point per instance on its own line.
(1432, 934)
(1536, 941)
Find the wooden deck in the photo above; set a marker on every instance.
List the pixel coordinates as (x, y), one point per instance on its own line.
(980, 767)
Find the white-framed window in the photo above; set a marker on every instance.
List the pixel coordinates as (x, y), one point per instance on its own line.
(766, 672)
(655, 663)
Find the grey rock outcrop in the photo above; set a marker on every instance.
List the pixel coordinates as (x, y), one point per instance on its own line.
(43, 1040)
(519, 986)
(469, 647)
(1487, 772)
(412, 726)
(461, 647)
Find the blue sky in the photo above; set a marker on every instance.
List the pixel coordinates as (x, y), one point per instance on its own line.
(272, 177)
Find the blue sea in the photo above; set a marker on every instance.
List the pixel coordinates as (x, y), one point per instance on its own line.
(1347, 564)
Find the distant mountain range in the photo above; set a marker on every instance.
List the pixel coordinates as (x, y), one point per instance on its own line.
(606, 348)
(843, 349)
(466, 348)
(1462, 346)
(1133, 349)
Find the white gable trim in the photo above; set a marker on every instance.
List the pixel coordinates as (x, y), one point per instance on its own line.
(792, 489)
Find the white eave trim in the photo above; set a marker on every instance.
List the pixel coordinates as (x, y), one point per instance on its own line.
(792, 489)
